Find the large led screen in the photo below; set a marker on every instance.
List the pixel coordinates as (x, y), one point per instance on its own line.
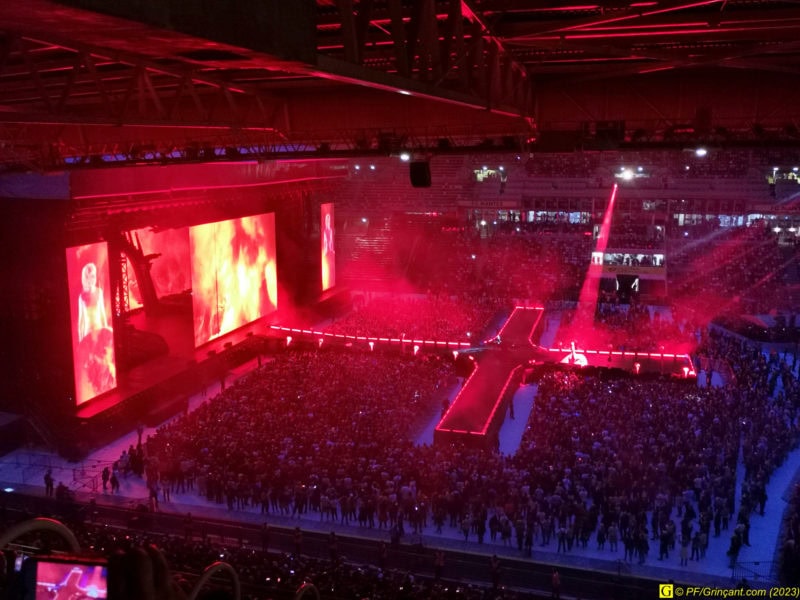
(234, 278)
(168, 251)
(95, 370)
(328, 255)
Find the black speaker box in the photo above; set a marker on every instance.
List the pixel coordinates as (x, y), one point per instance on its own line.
(420, 173)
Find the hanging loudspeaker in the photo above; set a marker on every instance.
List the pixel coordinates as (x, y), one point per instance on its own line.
(420, 173)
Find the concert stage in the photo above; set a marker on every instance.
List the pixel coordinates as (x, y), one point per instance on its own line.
(160, 387)
(162, 368)
(479, 409)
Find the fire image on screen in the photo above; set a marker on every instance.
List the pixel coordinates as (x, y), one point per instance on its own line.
(55, 580)
(234, 277)
(328, 259)
(94, 366)
(169, 269)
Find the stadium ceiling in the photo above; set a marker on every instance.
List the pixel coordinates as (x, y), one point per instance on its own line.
(85, 80)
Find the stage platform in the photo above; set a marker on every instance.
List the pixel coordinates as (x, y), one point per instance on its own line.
(504, 362)
(169, 369)
(157, 388)
(182, 357)
(478, 411)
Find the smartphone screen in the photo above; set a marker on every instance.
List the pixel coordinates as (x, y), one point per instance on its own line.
(56, 580)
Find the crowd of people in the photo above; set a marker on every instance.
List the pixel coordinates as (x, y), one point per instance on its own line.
(742, 270)
(629, 327)
(415, 317)
(643, 470)
(516, 264)
(636, 235)
(308, 432)
(264, 572)
(615, 464)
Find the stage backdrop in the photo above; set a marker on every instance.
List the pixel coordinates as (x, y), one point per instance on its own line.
(95, 370)
(328, 258)
(234, 278)
(170, 269)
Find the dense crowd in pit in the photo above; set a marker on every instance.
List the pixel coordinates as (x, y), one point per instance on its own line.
(621, 465)
(514, 264)
(415, 317)
(770, 394)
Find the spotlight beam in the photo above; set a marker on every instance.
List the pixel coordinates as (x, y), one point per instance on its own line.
(587, 301)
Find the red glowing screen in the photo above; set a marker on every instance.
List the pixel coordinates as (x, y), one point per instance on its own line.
(169, 264)
(234, 278)
(328, 258)
(70, 580)
(94, 367)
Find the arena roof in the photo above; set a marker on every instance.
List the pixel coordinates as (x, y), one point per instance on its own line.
(92, 79)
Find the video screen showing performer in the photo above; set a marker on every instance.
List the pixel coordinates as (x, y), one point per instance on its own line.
(56, 580)
(94, 365)
(234, 275)
(327, 241)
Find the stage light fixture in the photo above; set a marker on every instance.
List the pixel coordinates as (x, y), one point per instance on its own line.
(700, 152)
(405, 156)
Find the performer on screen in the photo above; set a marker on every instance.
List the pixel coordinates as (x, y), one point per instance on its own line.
(328, 254)
(327, 236)
(95, 351)
(91, 304)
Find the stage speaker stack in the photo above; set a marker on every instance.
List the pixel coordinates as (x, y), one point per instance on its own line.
(420, 173)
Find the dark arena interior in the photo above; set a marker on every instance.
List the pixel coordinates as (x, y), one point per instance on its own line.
(399, 299)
